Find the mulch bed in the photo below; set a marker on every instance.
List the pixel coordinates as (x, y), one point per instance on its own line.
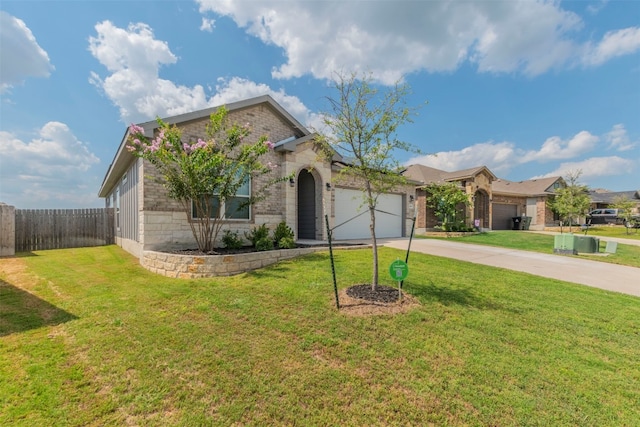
(384, 294)
(360, 301)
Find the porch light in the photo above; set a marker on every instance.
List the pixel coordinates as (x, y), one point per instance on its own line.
(328, 185)
(292, 181)
(411, 198)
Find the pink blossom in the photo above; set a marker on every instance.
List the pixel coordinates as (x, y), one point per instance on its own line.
(271, 165)
(269, 145)
(135, 129)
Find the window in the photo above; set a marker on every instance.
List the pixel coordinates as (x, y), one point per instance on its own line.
(235, 207)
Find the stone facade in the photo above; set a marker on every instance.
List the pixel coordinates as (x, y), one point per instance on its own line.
(196, 266)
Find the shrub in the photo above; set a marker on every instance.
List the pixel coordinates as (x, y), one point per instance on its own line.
(231, 240)
(286, 243)
(264, 244)
(257, 234)
(282, 231)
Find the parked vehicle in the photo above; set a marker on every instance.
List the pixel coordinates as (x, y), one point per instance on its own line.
(604, 216)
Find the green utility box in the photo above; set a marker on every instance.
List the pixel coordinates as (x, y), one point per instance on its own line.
(564, 244)
(586, 244)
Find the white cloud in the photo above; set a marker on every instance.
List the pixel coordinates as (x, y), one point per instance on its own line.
(555, 148)
(595, 8)
(46, 168)
(237, 89)
(21, 56)
(594, 167)
(613, 44)
(502, 157)
(392, 39)
(499, 157)
(134, 57)
(207, 24)
(618, 138)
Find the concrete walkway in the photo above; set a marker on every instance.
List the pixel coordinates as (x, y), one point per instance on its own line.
(617, 278)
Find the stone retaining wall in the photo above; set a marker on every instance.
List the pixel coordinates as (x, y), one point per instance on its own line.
(197, 266)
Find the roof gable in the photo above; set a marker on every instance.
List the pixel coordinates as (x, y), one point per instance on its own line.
(123, 158)
(531, 187)
(427, 175)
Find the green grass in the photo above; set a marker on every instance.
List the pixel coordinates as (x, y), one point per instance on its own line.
(543, 243)
(613, 231)
(117, 345)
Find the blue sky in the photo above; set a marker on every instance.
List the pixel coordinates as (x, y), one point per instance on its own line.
(527, 88)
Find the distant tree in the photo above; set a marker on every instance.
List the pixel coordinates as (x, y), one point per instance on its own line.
(625, 209)
(571, 201)
(445, 199)
(362, 126)
(206, 176)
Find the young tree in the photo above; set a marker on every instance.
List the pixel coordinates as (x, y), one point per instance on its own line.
(206, 176)
(444, 199)
(625, 209)
(362, 126)
(571, 201)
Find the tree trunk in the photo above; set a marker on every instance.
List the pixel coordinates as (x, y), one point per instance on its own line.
(374, 242)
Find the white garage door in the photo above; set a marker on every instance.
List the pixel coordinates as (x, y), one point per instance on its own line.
(348, 204)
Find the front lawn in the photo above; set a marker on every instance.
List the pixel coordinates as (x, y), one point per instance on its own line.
(87, 337)
(543, 243)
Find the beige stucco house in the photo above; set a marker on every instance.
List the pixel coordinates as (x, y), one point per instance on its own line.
(147, 219)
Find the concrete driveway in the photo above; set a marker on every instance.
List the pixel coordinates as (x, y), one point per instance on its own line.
(617, 278)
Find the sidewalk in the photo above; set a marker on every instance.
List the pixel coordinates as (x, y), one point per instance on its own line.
(611, 277)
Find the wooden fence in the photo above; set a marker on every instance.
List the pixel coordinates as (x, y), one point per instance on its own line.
(39, 229)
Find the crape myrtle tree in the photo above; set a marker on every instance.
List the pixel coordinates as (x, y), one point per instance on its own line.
(361, 125)
(445, 198)
(572, 201)
(206, 175)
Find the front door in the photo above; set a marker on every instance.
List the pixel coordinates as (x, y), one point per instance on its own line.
(306, 205)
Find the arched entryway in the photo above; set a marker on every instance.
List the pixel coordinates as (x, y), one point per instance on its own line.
(481, 208)
(306, 205)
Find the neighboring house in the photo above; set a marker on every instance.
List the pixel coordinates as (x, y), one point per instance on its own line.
(476, 182)
(604, 199)
(524, 198)
(147, 219)
(493, 202)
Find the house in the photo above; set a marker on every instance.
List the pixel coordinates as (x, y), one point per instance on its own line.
(493, 201)
(146, 219)
(476, 182)
(524, 198)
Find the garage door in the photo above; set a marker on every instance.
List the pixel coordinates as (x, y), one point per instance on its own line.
(348, 205)
(502, 216)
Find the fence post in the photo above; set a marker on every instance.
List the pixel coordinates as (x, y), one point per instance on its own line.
(7, 230)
